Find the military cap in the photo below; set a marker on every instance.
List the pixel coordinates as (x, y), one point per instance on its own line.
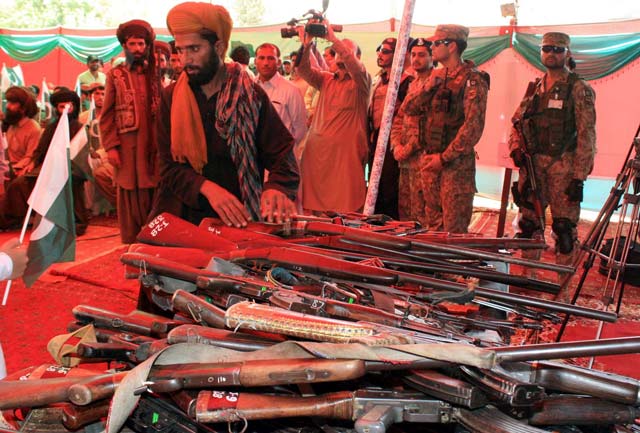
(420, 42)
(137, 28)
(453, 32)
(388, 41)
(556, 38)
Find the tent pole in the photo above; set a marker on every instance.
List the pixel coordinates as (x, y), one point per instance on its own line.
(390, 103)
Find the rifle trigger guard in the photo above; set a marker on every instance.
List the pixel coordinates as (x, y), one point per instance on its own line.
(195, 311)
(244, 427)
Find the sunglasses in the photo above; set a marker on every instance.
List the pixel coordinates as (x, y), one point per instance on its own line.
(384, 51)
(444, 42)
(555, 49)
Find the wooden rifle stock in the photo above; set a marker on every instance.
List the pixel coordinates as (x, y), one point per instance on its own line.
(40, 392)
(220, 406)
(75, 417)
(172, 378)
(198, 309)
(137, 321)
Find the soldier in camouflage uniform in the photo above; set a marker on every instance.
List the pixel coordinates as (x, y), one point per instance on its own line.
(454, 102)
(555, 125)
(405, 138)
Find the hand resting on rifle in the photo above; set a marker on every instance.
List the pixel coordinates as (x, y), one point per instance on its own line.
(230, 210)
(518, 157)
(276, 207)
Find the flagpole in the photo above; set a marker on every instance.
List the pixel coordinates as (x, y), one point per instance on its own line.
(21, 239)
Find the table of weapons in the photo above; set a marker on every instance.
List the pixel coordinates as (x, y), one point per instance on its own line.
(336, 324)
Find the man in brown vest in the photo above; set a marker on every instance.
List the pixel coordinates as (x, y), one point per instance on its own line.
(454, 102)
(127, 126)
(555, 125)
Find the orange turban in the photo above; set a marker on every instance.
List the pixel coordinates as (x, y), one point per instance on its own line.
(193, 17)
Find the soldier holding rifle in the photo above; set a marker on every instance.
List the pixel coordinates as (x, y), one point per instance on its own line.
(554, 127)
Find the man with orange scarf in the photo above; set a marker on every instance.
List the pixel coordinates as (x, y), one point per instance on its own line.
(127, 128)
(218, 132)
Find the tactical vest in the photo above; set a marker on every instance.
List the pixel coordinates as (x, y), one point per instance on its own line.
(445, 113)
(549, 118)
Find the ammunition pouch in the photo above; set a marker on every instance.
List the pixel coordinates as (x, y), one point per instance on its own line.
(563, 228)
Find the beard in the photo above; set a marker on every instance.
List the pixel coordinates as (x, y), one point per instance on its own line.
(200, 75)
(13, 117)
(137, 59)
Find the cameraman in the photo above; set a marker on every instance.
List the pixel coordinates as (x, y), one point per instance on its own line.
(336, 149)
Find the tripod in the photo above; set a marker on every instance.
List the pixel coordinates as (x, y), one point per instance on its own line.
(627, 189)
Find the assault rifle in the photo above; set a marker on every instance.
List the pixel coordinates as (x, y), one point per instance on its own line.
(520, 193)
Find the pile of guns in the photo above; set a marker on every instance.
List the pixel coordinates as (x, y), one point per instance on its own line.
(323, 326)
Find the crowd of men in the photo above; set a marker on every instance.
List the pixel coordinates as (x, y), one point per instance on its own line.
(178, 128)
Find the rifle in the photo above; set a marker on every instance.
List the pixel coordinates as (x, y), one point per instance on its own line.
(566, 378)
(169, 378)
(535, 196)
(240, 341)
(136, 321)
(403, 244)
(302, 261)
(372, 411)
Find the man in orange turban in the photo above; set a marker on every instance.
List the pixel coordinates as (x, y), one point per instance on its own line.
(219, 132)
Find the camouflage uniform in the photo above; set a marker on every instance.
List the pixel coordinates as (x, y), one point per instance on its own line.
(454, 103)
(559, 134)
(405, 146)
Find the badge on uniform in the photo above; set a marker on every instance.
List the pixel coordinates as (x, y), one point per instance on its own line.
(555, 103)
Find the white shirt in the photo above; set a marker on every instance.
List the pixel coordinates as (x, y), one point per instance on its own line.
(288, 102)
(6, 266)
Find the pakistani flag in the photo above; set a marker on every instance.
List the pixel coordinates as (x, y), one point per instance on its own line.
(54, 237)
(11, 77)
(43, 104)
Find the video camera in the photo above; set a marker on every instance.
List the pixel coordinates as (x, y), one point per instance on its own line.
(313, 22)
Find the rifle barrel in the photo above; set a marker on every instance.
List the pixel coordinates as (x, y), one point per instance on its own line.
(573, 349)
